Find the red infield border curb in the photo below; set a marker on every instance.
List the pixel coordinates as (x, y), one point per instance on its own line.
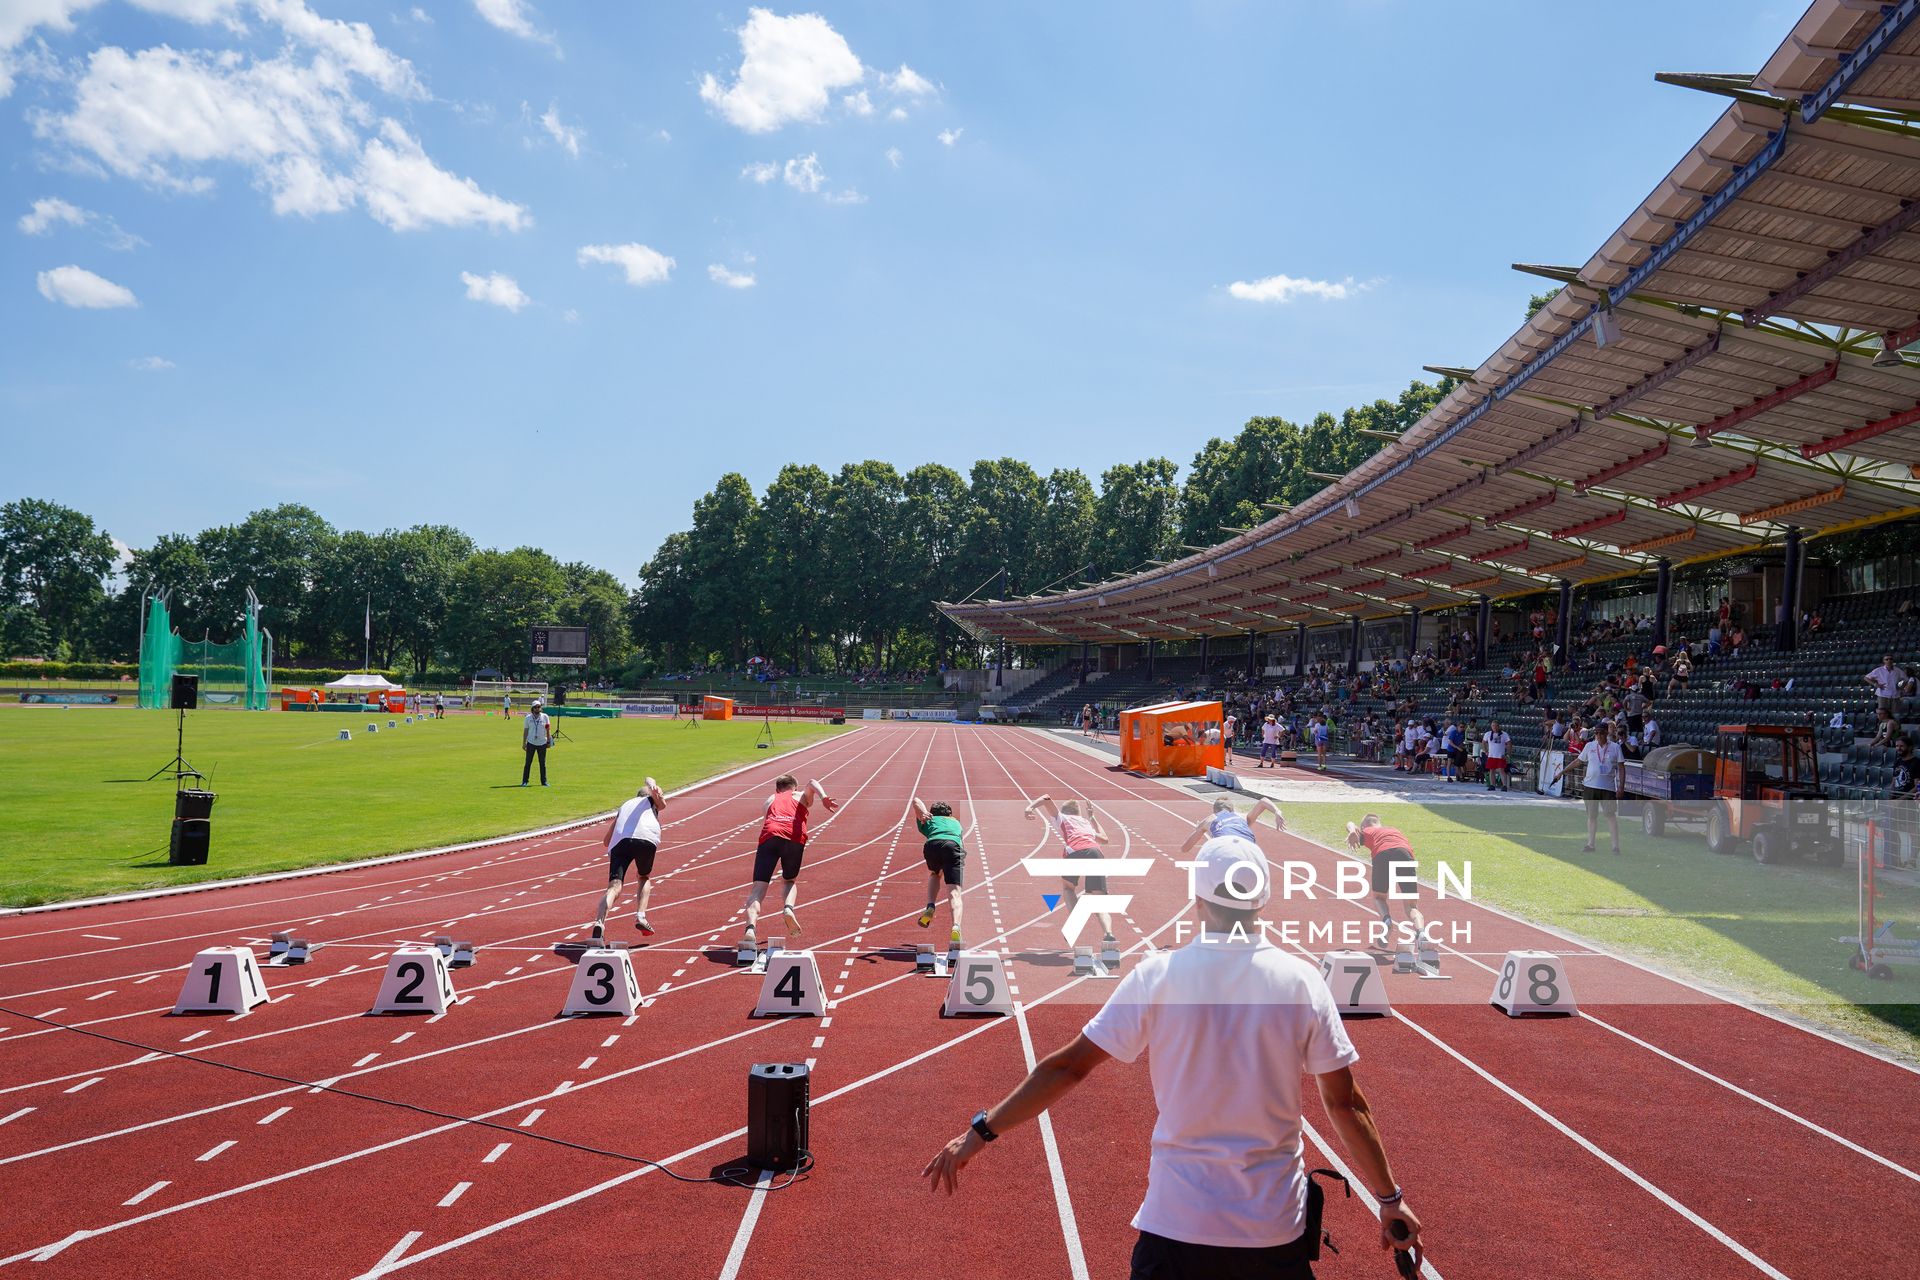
(201, 886)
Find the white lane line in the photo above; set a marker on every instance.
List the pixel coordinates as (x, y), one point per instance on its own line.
(399, 1250)
(273, 1115)
(144, 1194)
(84, 1084)
(459, 1189)
(737, 1254)
(1069, 1227)
(532, 1115)
(587, 1065)
(100, 937)
(403, 1037)
(495, 1154)
(195, 1036)
(16, 1115)
(103, 995)
(364, 1061)
(216, 1151)
(610, 1041)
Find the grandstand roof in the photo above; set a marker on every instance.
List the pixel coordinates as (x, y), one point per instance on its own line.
(1718, 371)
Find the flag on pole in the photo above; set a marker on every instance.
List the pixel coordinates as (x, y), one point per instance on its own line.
(368, 633)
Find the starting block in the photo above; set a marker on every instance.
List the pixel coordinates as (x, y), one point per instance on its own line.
(221, 980)
(603, 982)
(462, 955)
(1422, 961)
(791, 986)
(979, 985)
(933, 963)
(278, 950)
(1532, 982)
(1086, 964)
(758, 961)
(443, 943)
(416, 982)
(1354, 978)
(298, 950)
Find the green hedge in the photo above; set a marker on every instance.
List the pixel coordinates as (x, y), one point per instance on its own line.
(215, 674)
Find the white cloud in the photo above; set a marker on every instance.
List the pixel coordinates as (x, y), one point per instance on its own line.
(898, 113)
(566, 135)
(513, 17)
(1286, 288)
(642, 265)
(858, 103)
(789, 68)
(151, 364)
(761, 171)
(950, 136)
(570, 316)
(421, 16)
(803, 173)
(351, 43)
(494, 289)
(78, 287)
(847, 196)
(45, 213)
(908, 83)
(406, 190)
(731, 279)
(893, 156)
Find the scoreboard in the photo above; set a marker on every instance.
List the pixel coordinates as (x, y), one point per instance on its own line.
(559, 646)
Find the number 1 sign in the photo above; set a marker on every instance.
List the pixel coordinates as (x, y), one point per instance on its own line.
(221, 980)
(416, 982)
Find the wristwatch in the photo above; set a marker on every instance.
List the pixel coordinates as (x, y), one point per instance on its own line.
(979, 1125)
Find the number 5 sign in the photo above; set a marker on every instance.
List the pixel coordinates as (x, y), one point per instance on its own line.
(1358, 989)
(603, 982)
(221, 980)
(979, 985)
(1533, 982)
(416, 982)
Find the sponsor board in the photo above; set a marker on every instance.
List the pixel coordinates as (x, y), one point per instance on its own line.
(71, 699)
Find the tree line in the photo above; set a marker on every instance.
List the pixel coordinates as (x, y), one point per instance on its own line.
(820, 571)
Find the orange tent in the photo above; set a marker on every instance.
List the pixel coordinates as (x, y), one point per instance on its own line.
(1130, 740)
(713, 708)
(1180, 739)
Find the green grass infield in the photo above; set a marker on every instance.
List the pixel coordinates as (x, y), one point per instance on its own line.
(79, 820)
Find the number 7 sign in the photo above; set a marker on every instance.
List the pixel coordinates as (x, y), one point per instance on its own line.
(1358, 989)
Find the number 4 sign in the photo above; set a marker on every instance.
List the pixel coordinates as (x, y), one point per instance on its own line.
(221, 980)
(1358, 989)
(603, 982)
(417, 982)
(1533, 982)
(979, 985)
(791, 986)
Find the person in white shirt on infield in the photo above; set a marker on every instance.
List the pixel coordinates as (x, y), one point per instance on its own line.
(632, 841)
(1229, 1024)
(1605, 783)
(536, 735)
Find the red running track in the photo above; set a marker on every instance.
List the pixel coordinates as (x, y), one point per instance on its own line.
(1661, 1133)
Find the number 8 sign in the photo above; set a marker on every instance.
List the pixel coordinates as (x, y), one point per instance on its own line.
(603, 982)
(221, 980)
(1532, 982)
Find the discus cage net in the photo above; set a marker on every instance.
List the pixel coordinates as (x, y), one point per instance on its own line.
(488, 694)
(236, 672)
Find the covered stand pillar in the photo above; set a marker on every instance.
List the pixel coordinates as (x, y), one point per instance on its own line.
(1300, 649)
(1482, 632)
(1563, 630)
(1786, 634)
(1149, 659)
(1662, 600)
(1204, 647)
(1413, 630)
(1253, 642)
(1353, 647)
(1000, 672)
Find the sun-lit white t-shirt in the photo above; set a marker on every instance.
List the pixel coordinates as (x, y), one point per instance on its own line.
(1228, 1029)
(1603, 761)
(636, 821)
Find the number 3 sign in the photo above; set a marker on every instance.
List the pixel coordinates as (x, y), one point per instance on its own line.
(603, 982)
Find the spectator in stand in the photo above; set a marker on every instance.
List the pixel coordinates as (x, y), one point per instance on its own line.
(1499, 744)
(1904, 769)
(1738, 640)
(1815, 623)
(1650, 734)
(1886, 729)
(1681, 672)
(1885, 680)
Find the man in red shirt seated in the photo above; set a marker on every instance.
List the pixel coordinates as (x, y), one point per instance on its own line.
(783, 842)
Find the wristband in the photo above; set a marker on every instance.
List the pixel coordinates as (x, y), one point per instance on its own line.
(1399, 1194)
(979, 1126)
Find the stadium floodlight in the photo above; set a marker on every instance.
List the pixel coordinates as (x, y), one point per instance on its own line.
(1606, 329)
(1353, 509)
(1701, 439)
(1888, 358)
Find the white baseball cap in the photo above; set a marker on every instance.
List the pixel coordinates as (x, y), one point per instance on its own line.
(1231, 871)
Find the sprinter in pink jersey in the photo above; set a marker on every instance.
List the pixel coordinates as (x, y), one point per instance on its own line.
(1081, 832)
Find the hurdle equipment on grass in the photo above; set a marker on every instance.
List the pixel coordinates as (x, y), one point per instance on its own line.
(603, 982)
(1533, 982)
(979, 985)
(346, 735)
(1358, 989)
(791, 986)
(221, 980)
(416, 981)
(372, 727)
(392, 725)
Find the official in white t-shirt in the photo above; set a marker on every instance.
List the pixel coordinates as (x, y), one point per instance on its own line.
(1604, 784)
(536, 734)
(631, 842)
(1229, 1023)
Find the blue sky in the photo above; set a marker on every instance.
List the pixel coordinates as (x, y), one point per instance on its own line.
(410, 264)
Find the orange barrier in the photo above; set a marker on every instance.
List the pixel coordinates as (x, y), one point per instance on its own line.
(288, 697)
(714, 708)
(1130, 748)
(1180, 739)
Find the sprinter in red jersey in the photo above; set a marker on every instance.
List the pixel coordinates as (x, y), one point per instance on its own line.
(783, 842)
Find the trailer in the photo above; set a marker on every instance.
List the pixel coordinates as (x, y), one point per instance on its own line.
(1759, 788)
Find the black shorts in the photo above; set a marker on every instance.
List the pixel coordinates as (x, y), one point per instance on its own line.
(1596, 796)
(1095, 884)
(1635, 723)
(947, 858)
(630, 852)
(775, 849)
(1158, 1258)
(1383, 868)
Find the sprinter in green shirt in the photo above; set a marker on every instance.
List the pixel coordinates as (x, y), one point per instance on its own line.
(946, 858)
